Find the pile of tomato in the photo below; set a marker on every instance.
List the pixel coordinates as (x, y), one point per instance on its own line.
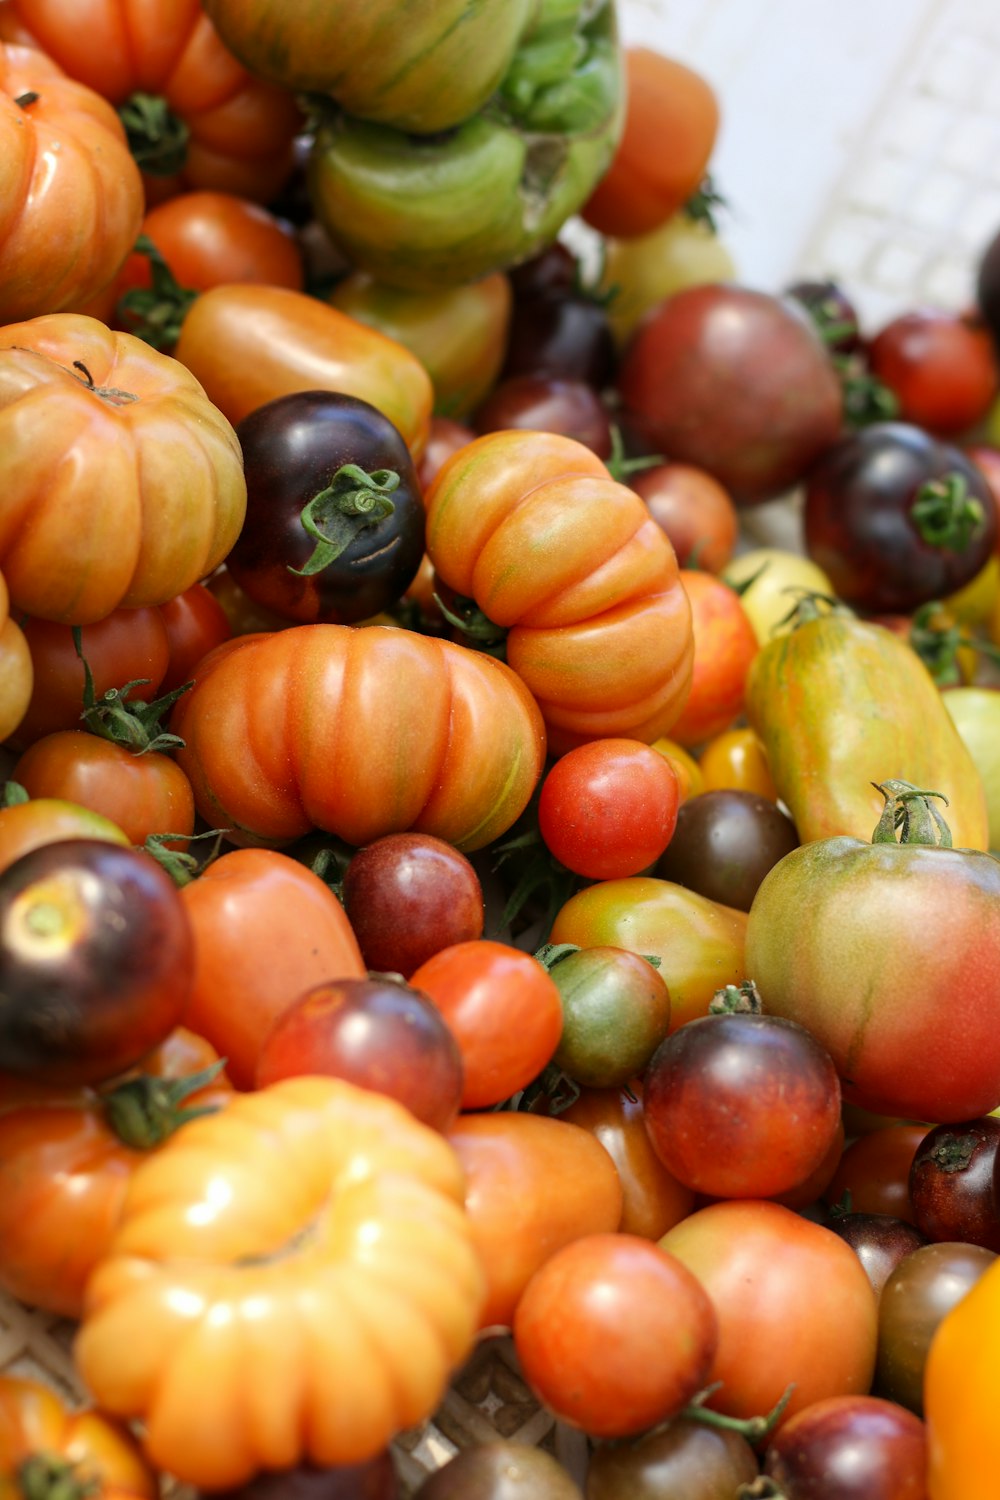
(452, 883)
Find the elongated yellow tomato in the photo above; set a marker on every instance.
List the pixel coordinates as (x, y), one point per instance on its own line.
(123, 484)
(531, 528)
(841, 706)
(70, 193)
(302, 1271)
(359, 731)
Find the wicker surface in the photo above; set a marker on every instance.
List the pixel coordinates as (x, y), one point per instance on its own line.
(487, 1399)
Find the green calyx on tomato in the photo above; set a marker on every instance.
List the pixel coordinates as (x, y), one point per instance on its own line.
(155, 313)
(122, 719)
(945, 514)
(910, 817)
(354, 498)
(144, 1111)
(497, 187)
(48, 1476)
(157, 138)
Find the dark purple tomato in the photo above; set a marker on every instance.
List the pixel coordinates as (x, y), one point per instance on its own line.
(499, 1470)
(616, 1012)
(741, 1105)
(896, 518)
(736, 382)
(953, 1183)
(724, 843)
(374, 1480)
(542, 403)
(988, 286)
(378, 1033)
(685, 1459)
(920, 1291)
(832, 311)
(850, 1448)
(878, 1240)
(562, 335)
(554, 271)
(408, 895)
(96, 960)
(334, 529)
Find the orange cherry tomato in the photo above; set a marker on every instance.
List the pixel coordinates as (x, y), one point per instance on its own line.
(725, 644)
(103, 1454)
(533, 1184)
(48, 820)
(736, 759)
(504, 1010)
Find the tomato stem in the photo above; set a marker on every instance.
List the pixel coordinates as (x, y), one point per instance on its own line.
(945, 514)
(477, 627)
(754, 1429)
(157, 138)
(155, 313)
(46, 1476)
(909, 816)
(144, 1111)
(353, 500)
(736, 999)
(130, 722)
(109, 393)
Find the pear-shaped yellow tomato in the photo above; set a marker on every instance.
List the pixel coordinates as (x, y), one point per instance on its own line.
(641, 272)
(975, 712)
(303, 1272)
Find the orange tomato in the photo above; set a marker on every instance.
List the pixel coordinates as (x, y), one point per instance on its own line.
(671, 122)
(16, 670)
(36, 1425)
(736, 759)
(532, 1185)
(724, 646)
(47, 820)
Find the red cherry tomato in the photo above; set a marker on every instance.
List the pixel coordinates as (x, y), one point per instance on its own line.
(941, 367)
(607, 810)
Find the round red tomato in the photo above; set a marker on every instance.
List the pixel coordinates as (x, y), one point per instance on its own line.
(504, 1009)
(607, 809)
(940, 366)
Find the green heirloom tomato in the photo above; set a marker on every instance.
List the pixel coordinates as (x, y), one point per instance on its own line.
(422, 212)
(889, 953)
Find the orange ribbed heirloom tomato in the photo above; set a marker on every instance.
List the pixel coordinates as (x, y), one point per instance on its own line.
(531, 528)
(70, 193)
(302, 1275)
(123, 484)
(361, 732)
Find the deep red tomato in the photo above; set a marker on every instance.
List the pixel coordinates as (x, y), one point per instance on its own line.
(940, 366)
(614, 1334)
(874, 1172)
(788, 1289)
(505, 1012)
(608, 809)
(850, 1448)
(195, 623)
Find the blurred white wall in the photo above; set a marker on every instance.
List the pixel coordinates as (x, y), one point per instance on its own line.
(859, 139)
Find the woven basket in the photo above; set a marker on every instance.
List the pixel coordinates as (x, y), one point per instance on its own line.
(488, 1398)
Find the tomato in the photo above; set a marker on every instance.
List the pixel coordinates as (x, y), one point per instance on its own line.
(334, 528)
(265, 930)
(195, 118)
(920, 1291)
(16, 670)
(615, 1012)
(682, 1457)
(769, 581)
(71, 194)
(961, 1436)
(643, 271)
(195, 623)
(143, 794)
(734, 381)
(192, 242)
(951, 1183)
(608, 809)
(490, 1467)
(873, 1174)
(548, 403)
(724, 844)
(504, 1010)
(940, 366)
(97, 956)
(315, 1223)
(645, 185)
(724, 646)
(379, 731)
(423, 77)
(699, 943)
(531, 528)
(102, 435)
(26, 825)
(975, 712)
(653, 1200)
(459, 333)
(736, 760)
(790, 1290)
(378, 1033)
(124, 647)
(741, 1106)
(826, 933)
(533, 1184)
(38, 1430)
(250, 344)
(407, 896)
(614, 1335)
(558, 327)
(686, 768)
(66, 1158)
(836, 1440)
(897, 518)
(878, 1240)
(694, 510)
